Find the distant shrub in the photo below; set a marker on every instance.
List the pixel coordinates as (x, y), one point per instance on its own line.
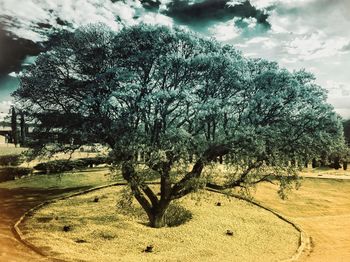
(59, 166)
(94, 161)
(10, 160)
(11, 173)
(55, 166)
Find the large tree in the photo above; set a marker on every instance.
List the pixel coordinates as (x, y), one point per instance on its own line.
(185, 101)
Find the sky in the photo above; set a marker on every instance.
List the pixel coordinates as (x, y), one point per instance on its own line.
(310, 34)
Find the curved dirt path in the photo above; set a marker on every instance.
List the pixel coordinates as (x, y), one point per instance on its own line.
(13, 204)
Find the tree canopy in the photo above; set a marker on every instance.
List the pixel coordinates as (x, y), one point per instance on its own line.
(184, 101)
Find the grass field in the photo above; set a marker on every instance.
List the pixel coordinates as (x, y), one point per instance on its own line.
(325, 172)
(90, 177)
(101, 233)
(322, 208)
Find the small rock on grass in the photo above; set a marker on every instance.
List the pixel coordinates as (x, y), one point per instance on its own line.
(229, 232)
(149, 249)
(80, 241)
(66, 228)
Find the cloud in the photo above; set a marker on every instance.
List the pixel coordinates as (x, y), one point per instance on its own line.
(151, 4)
(13, 50)
(232, 3)
(225, 31)
(33, 19)
(267, 4)
(315, 45)
(5, 109)
(156, 19)
(207, 11)
(23, 25)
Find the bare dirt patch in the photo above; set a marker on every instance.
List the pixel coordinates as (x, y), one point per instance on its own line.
(99, 232)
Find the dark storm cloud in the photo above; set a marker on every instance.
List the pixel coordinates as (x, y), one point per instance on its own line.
(13, 50)
(214, 10)
(150, 4)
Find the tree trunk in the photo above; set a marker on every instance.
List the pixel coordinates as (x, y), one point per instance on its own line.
(154, 208)
(23, 129)
(14, 126)
(157, 218)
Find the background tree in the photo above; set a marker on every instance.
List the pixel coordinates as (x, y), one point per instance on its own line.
(14, 131)
(346, 152)
(346, 126)
(186, 101)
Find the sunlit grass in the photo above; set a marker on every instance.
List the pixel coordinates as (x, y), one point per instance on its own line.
(105, 234)
(90, 177)
(321, 171)
(322, 208)
(315, 197)
(7, 150)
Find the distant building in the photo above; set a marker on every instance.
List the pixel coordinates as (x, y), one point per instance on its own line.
(5, 132)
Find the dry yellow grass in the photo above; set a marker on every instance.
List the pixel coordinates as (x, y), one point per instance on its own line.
(110, 236)
(325, 172)
(322, 208)
(10, 150)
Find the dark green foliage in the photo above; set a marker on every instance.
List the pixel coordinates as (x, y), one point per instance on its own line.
(315, 163)
(335, 163)
(90, 162)
(58, 166)
(10, 173)
(10, 160)
(346, 126)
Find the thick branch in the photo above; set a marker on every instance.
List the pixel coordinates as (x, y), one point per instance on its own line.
(165, 183)
(240, 181)
(149, 193)
(129, 175)
(182, 188)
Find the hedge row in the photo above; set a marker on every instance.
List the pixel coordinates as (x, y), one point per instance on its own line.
(58, 166)
(10, 160)
(11, 173)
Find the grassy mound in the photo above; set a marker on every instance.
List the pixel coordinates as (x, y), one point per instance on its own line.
(83, 228)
